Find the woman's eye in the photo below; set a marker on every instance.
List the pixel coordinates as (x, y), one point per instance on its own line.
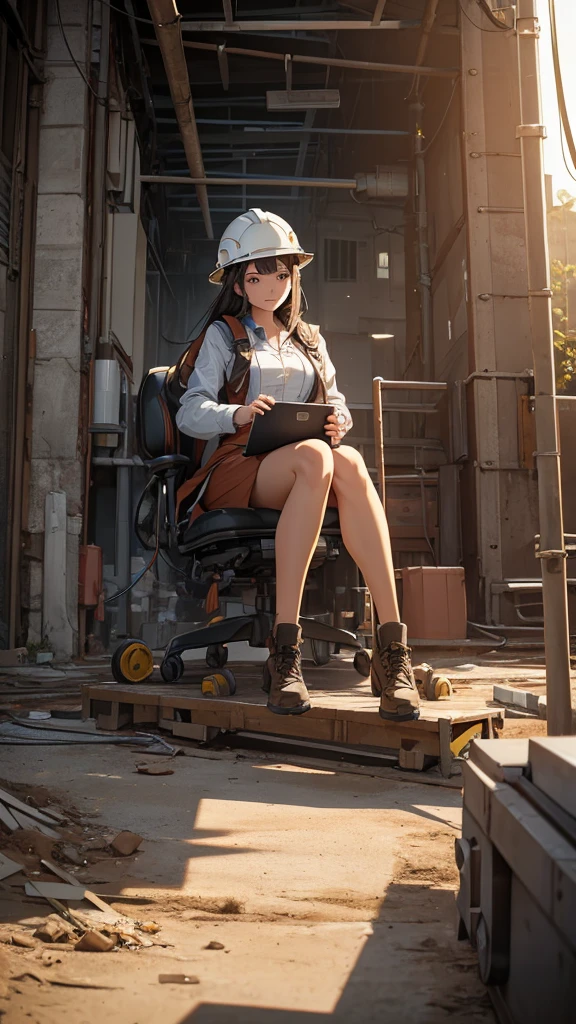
(282, 277)
(253, 280)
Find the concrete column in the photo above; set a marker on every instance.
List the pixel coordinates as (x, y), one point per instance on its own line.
(57, 462)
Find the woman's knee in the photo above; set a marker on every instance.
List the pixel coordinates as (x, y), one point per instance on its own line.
(349, 466)
(314, 459)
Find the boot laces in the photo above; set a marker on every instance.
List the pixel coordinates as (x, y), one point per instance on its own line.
(288, 662)
(397, 662)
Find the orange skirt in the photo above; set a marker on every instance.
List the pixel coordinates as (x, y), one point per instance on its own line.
(231, 477)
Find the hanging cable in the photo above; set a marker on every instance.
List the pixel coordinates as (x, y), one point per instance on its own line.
(83, 76)
(505, 28)
(120, 593)
(133, 17)
(444, 116)
(564, 119)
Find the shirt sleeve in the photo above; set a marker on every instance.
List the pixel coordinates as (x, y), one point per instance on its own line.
(201, 414)
(333, 395)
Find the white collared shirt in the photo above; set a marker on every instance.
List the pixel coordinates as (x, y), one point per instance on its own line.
(286, 375)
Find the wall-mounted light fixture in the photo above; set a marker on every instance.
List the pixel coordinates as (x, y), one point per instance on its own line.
(380, 337)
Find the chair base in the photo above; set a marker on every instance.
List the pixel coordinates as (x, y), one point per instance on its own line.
(255, 629)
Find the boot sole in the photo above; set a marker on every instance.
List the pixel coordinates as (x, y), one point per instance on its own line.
(389, 716)
(299, 709)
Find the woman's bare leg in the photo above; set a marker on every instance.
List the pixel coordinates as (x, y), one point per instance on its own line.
(297, 480)
(365, 529)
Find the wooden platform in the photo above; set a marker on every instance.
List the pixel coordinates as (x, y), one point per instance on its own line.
(344, 712)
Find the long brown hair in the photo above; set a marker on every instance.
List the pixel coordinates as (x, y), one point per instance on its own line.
(229, 302)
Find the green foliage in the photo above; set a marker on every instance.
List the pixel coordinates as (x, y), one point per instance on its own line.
(564, 339)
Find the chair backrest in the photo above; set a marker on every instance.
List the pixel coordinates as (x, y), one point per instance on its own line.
(160, 393)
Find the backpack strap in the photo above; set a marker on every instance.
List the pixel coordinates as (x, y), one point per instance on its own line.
(238, 381)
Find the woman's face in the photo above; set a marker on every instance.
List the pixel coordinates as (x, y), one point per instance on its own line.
(266, 291)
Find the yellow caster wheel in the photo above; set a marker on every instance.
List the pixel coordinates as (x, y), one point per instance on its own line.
(132, 662)
(220, 684)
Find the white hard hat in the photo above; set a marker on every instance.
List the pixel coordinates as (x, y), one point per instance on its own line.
(254, 236)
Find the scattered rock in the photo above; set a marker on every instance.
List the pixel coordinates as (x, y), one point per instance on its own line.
(95, 942)
(98, 843)
(214, 945)
(150, 927)
(53, 929)
(71, 854)
(126, 843)
(22, 939)
(49, 958)
(154, 769)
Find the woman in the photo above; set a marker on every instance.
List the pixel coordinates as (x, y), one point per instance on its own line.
(287, 360)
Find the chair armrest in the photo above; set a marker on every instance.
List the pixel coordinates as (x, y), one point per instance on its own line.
(164, 462)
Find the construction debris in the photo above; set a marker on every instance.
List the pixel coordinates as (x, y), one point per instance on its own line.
(8, 867)
(178, 979)
(23, 939)
(160, 768)
(56, 890)
(126, 843)
(54, 929)
(215, 945)
(95, 942)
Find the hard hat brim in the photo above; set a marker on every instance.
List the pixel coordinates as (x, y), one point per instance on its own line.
(303, 259)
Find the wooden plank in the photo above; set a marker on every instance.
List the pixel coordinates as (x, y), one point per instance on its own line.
(145, 713)
(8, 819)
(344, 712)
(32, 812)
(25, 821)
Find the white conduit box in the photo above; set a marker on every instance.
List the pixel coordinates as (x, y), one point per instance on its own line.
(106, 392)
(384, 183)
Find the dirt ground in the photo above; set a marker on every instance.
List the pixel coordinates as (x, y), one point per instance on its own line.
(332, 894)
(330, 887)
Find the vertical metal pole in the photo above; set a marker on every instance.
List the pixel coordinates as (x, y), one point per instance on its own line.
(423, 251)
(552, 551)
(378, 433)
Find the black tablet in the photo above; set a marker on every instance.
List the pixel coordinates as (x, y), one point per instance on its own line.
(287, 423)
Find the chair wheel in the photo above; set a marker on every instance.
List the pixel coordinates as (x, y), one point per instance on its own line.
(362, 663)
(172, 668)
(216, 655)
(132, 662)
(220, 684)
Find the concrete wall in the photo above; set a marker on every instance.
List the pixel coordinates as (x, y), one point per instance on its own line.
(57, 463)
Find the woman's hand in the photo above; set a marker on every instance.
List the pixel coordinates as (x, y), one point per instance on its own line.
(335, 428)
(246, 413)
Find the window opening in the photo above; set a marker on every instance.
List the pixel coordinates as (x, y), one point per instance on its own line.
(339, 259)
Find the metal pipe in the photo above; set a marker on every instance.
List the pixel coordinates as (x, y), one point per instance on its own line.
(424, 276)
(294, 26)
(167, 24)
(328, 62)
(267, 126)
(428, 20)
(163, 179)
(552, 550)
(98, 192)
(379, 432)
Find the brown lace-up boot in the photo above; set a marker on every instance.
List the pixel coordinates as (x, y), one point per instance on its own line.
(391, 674)
(283, 682)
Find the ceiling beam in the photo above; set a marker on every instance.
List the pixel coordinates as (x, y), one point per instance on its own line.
(378, 10)
(325, 25)
(167, 28)
(327, 62)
